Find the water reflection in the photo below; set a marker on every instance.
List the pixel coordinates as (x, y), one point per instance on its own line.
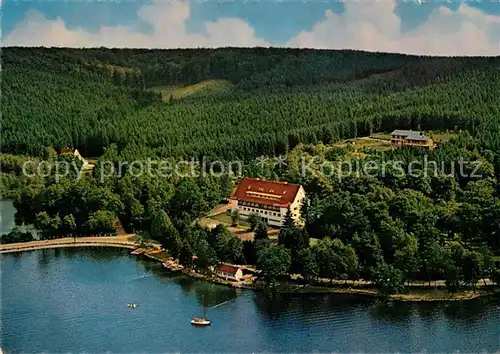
(205, 292)
(278, 306)
(98, 254)
(58, 252)
(7, 216)
(44, 312)
(469, 313)
(391, 312)
(430, 311)
(275, 306)
(15, 255)
(44, 257)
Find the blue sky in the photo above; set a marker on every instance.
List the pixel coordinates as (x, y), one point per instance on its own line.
(267, 22)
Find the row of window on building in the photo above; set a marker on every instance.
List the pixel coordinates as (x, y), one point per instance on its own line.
(260, 211)
(261, 206)
(421, 142)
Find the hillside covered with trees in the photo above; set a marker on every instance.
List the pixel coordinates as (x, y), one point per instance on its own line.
(91, 98)
(122, 105)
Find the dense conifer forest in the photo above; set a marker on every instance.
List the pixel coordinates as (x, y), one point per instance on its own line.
(127, 104)
(92, 98)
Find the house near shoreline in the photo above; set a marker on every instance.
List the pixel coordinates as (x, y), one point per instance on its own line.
(228, 272)
(75, 153)
(270, 200)
(413, 138)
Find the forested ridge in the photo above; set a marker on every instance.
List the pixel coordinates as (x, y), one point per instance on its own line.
(90, 98)
(385, 228)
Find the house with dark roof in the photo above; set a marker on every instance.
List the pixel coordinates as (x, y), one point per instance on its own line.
(229, 272)
(413, 138)
(270, 200)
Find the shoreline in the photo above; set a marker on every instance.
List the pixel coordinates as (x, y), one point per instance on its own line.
(431, 295)
(421, 296)
(128, 242)
(283, 288)
(103, 241)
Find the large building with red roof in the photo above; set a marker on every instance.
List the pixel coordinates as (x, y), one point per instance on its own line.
(269, 199)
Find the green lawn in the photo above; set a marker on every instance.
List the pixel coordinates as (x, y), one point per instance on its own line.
(313, 241)
(358, 145)
(204, 87)
(226, 219)
(441, 136)
(382, 136)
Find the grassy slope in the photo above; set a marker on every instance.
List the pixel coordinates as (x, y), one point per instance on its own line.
(199, 89)
(291, 111)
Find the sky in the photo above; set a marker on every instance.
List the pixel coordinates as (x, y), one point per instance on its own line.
(458, 28)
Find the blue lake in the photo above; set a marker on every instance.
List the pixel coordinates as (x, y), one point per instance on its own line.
(75, 300)
(7, 216)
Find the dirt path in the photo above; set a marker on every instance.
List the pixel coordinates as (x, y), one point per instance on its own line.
(417, 284)
(120, 230)
(223, 208)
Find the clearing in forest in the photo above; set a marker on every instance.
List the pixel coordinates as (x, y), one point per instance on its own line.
(201, 88)
(382, 142)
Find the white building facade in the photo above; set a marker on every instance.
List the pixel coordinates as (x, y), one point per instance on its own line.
(270, 200)
(229, 272)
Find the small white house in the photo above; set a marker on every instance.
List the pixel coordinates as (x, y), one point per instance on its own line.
(229, 272)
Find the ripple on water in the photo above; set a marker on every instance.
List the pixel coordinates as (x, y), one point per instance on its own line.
(76, 302)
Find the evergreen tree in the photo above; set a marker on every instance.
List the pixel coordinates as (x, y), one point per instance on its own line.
(260, 232)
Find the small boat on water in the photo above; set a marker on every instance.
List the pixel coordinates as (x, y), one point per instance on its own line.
(201, 321)
(132, 306)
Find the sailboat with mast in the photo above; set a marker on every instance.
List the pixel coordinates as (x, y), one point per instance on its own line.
(201, 321)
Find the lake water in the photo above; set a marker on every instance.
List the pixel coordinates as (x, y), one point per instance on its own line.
(7, 216)
(8, 219)
(75, 300)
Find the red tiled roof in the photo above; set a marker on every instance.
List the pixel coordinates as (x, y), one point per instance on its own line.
(226, 268)
(255, 190)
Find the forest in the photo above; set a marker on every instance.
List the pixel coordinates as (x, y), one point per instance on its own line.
(387, 228)
(277, 98)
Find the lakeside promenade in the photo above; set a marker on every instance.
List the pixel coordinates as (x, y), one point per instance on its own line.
(123, 241)
(358, 287)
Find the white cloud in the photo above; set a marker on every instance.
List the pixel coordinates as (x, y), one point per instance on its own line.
(369, 26)
(375, 27)
(169, 31)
